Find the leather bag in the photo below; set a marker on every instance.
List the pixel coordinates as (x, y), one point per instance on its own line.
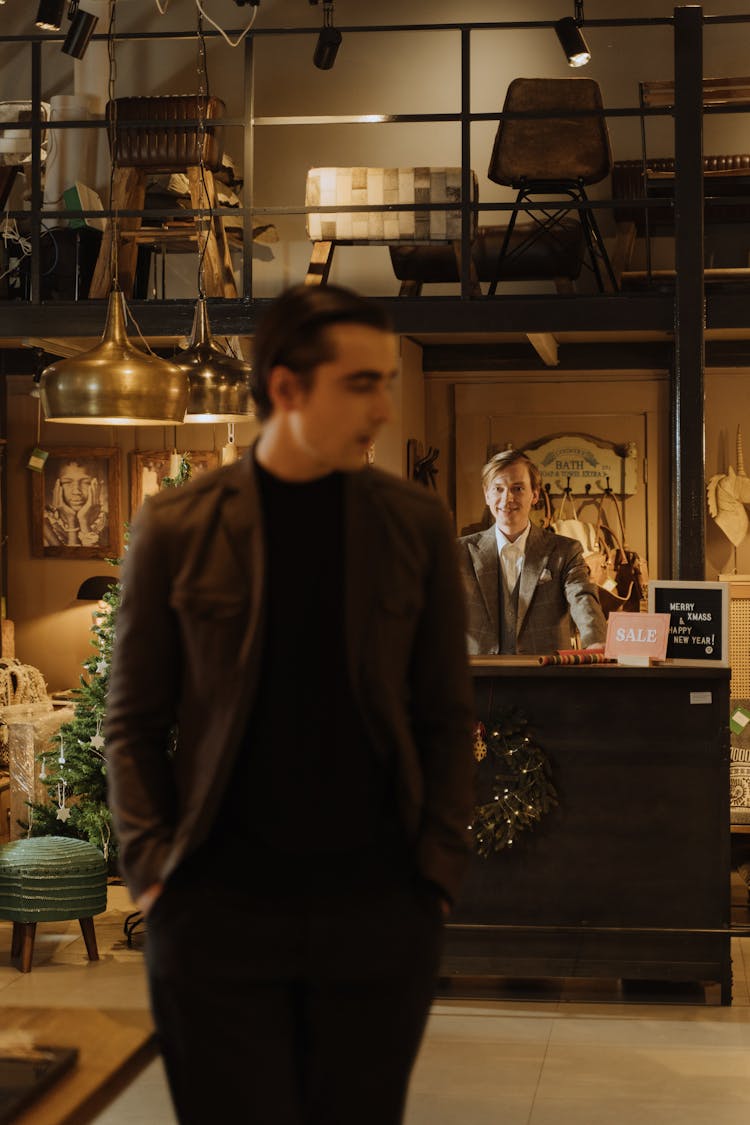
(583, 532)
(622, 576)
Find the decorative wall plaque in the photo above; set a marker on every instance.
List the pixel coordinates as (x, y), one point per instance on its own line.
(585, 464)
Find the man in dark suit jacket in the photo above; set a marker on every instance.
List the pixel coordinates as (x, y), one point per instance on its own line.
(527, 589)
(297, 618)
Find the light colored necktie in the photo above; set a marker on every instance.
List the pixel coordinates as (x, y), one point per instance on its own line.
(511, 556)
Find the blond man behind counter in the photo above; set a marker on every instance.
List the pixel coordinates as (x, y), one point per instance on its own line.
(528, 590)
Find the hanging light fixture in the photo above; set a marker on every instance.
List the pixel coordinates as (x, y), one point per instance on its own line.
(115, 383)
(571, 37)
(219, 384)
(49, 14)
(94, 588)
(329, 40)
(81, 29)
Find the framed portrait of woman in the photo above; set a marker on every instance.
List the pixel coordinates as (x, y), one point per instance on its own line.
(75, 504)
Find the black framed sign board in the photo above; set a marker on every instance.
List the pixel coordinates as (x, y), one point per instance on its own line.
(698, 619)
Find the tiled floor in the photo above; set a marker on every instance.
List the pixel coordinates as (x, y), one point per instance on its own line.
(547, 1056)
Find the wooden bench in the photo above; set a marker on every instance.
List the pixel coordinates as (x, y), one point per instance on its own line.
(532, 254)
(392, 188)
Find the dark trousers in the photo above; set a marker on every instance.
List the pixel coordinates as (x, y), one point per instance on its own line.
(295, 993)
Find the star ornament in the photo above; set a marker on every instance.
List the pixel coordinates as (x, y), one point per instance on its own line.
(101, 668)
(97, 741)
(63, 813)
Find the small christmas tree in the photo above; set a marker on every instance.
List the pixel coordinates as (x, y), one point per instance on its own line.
(74, 767)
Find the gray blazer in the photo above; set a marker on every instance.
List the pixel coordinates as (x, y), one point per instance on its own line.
(189, 639)
(555, 586)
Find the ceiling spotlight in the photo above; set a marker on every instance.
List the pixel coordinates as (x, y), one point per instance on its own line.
(81, 30)
(571, 37)
(329, 40)
(49, 14)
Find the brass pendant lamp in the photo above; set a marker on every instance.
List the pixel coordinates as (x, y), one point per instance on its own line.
(219, 383)
(115, 383)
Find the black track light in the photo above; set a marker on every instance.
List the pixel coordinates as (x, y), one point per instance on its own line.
(571, 37)
(50, 14)
(81, 30)
(327, 47)
(329, 40)
(572, 42)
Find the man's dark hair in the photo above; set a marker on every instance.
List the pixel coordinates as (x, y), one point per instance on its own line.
(293, 333)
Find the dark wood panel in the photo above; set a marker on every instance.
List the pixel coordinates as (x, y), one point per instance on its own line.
(553, 313)
(629, 875)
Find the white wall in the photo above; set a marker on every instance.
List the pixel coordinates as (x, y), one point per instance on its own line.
(383, 73)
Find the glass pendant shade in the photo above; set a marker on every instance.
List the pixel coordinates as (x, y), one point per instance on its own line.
(219, 383)
(115, 383)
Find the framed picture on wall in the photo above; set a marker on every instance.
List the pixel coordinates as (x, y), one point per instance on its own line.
(75, 504)
(149, 468)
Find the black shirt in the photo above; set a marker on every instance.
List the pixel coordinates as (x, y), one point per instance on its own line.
(307, 779)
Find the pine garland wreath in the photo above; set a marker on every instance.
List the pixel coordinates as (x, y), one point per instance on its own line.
(522, 790)
(183, 474)
(74, 767)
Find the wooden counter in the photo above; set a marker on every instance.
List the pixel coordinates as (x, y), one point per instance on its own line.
(113, 1046)
(629, 877)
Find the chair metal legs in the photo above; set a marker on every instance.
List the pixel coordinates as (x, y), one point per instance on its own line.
(547, 219)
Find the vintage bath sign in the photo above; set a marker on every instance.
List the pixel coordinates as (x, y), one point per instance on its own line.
(582, 462)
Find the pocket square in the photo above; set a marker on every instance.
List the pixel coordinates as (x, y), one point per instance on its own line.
(545, 576)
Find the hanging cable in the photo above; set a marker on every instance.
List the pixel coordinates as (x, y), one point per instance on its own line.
(203, 106)
(232, 42)
(114, 256)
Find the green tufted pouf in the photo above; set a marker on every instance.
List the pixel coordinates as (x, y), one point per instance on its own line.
(50, 879)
